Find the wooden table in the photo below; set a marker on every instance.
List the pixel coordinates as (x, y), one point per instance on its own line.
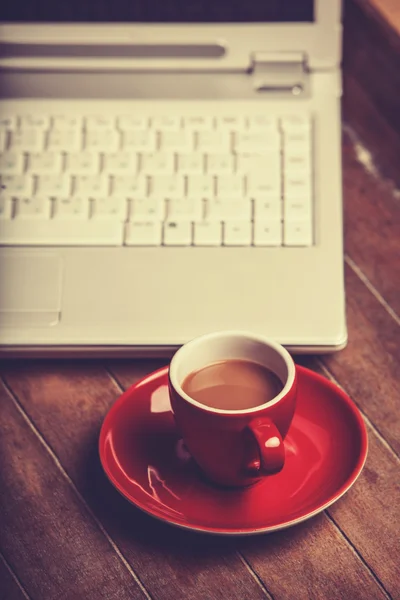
(66, 533)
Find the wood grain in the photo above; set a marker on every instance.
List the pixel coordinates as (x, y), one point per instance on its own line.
(369, 368)
(9, 588)
(388, 10)
(313, 558)
(46, 534)
(371, 54)
(373, 134)
(372, 226)
(368, 513)
(67, 403)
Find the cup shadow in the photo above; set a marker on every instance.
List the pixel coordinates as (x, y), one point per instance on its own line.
(128, 525)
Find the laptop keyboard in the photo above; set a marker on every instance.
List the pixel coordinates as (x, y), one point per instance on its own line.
(133, 180)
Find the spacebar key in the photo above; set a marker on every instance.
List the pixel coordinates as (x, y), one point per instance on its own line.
(72, 232)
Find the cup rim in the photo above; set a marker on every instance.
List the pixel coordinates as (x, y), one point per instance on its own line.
(283, 353)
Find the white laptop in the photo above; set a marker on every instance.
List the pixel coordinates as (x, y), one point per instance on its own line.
(170, 174)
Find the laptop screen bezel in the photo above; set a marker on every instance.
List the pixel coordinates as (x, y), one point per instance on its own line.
(319, 42)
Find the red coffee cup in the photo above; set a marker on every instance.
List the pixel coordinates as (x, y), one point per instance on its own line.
(234, 447)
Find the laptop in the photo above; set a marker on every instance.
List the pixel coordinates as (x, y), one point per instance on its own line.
(169, 171)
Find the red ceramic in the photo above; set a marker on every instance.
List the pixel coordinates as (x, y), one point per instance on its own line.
(144, 457)
(234, 447)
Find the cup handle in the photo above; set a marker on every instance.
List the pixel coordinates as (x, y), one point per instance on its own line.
(270, 456)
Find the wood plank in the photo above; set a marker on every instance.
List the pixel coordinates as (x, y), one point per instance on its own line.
(312, 558)
(48, 536)
(372, 226)
(67, 402)
(375, 138)
(369, 368)
(388, 10)
(368, 514)
(371, 54)
(10, 590)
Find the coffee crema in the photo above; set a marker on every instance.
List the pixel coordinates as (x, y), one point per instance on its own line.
(232, 384)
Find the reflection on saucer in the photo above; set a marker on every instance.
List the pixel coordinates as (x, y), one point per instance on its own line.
(145, 458)
(159, 401)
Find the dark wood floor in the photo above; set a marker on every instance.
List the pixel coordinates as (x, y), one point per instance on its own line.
(65, 533)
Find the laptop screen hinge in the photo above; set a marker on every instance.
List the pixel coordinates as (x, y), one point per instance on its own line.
(279, 72)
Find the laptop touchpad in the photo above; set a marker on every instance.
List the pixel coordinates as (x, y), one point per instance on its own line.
(30, 289)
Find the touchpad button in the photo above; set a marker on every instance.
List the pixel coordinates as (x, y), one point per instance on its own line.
(30, 289)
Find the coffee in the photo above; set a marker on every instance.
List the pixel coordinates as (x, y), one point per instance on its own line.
(233, 385)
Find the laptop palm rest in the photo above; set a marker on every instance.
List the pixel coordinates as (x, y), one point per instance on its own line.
(30, 289)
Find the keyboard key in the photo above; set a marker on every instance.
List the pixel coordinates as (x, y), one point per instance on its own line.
(139, 141)
(166, 123)
(297, 184)
(295, 158)
(230, 123)
(6, 207)
(64, 140)
(298, 209)
(248, 142)
(177, 233)
(179, 140)
(82, 163)
(259, 122)
(213, 141)
(219, 164)
(143, 233)
(292, 122)
(58, 232)
(8, 122)
(228, 210)
(298, 233)
(297, 137)
(35, 121)
(190, 164)
(36, 207)
(259, 163)
(96, 122)
(3, 140)
(167, 186)
(207, 233)
(237, 233)
(268, 233)
(69, 122)
(18, 185)
(120, 162)
(198, 123)
(71, 208)
(109, 208)
(129, 185)
(11, 163)
(185, 209)
(231, 186)
(267, 208)
(200, 185)
(147, 209)
(53, 185)
(26, 140)
(129, 122)
(264, 185)
(159, 163)
(91, 185)
(103, 140)
(40, 163)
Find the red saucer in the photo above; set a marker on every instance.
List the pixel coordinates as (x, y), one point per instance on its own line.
(145, 459)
